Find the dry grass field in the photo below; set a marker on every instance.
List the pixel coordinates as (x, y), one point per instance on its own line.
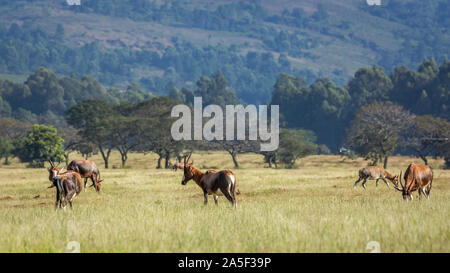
(310, 209)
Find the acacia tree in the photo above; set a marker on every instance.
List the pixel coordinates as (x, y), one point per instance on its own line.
(92, 119)
(295, 144)
(374, 132)
(71, 140)
(124, 135)
(427, 137)
(153, 121)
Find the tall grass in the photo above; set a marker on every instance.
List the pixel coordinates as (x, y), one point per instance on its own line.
(310, 209)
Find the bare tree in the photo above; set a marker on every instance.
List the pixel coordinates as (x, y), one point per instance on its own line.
(374, 132)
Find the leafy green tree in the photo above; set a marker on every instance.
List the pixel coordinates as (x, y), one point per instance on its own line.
(177, 95)
(41, 144)
(215, 90)
(46, 92)
(329, 105)
(369, 84)
(440, 92)
(375, 131)
(295, 144)
(6, 148)
(322, 107)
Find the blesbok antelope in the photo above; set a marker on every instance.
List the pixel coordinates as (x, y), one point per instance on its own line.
(211, 181)
(68, 185)
(375, 173)
(417, 177)
(87, 169)
(178, 165)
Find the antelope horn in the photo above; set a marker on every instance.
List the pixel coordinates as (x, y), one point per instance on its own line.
(413, 181)
(400, 180)
(189, 157)
(51, 163)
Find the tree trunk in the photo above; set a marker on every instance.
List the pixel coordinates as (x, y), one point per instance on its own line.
(105, 156)
(159, 162)
(166, 163)
(66, 158)
(124, 158)
(233, 156)
(385, 162)
(6, 160)
(424, 158)
(270, 162)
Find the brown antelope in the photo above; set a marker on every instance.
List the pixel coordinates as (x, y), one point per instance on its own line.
(375, 173)
(211, 181)
(87, 169)
(417, 177)
(178, 165)
(68, 185)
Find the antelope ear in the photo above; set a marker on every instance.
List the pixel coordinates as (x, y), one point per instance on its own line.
(49, 170)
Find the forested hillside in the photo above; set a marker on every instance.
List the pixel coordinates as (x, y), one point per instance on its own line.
(159, 44)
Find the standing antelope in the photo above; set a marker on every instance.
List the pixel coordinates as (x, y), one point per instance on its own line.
(375, 173)
(417, 177)
(87, 169)
(211, 181)
(68, 185)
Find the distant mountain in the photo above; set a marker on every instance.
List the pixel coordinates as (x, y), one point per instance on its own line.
(160, 44)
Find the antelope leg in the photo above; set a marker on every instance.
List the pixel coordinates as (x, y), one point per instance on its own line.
(387, 183)
(356, 183)
(205, 196)
(228, 196)
(364, 183)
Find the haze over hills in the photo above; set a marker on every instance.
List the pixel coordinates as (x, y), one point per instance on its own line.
(159, 44)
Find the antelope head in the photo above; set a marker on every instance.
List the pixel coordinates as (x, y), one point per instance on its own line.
(54, 170)
(395, 181)
(406, 191)
(97, 185)
(188, 170)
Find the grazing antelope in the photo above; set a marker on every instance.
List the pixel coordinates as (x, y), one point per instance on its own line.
(178, 165)
(211, 181)
(87, 169)
(68, 185)
(375, 173)
(417, 177)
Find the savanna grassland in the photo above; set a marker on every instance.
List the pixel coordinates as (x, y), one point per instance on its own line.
(313, 208)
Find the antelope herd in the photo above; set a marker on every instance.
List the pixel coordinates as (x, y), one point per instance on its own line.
(69, 184)
(418, 177)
